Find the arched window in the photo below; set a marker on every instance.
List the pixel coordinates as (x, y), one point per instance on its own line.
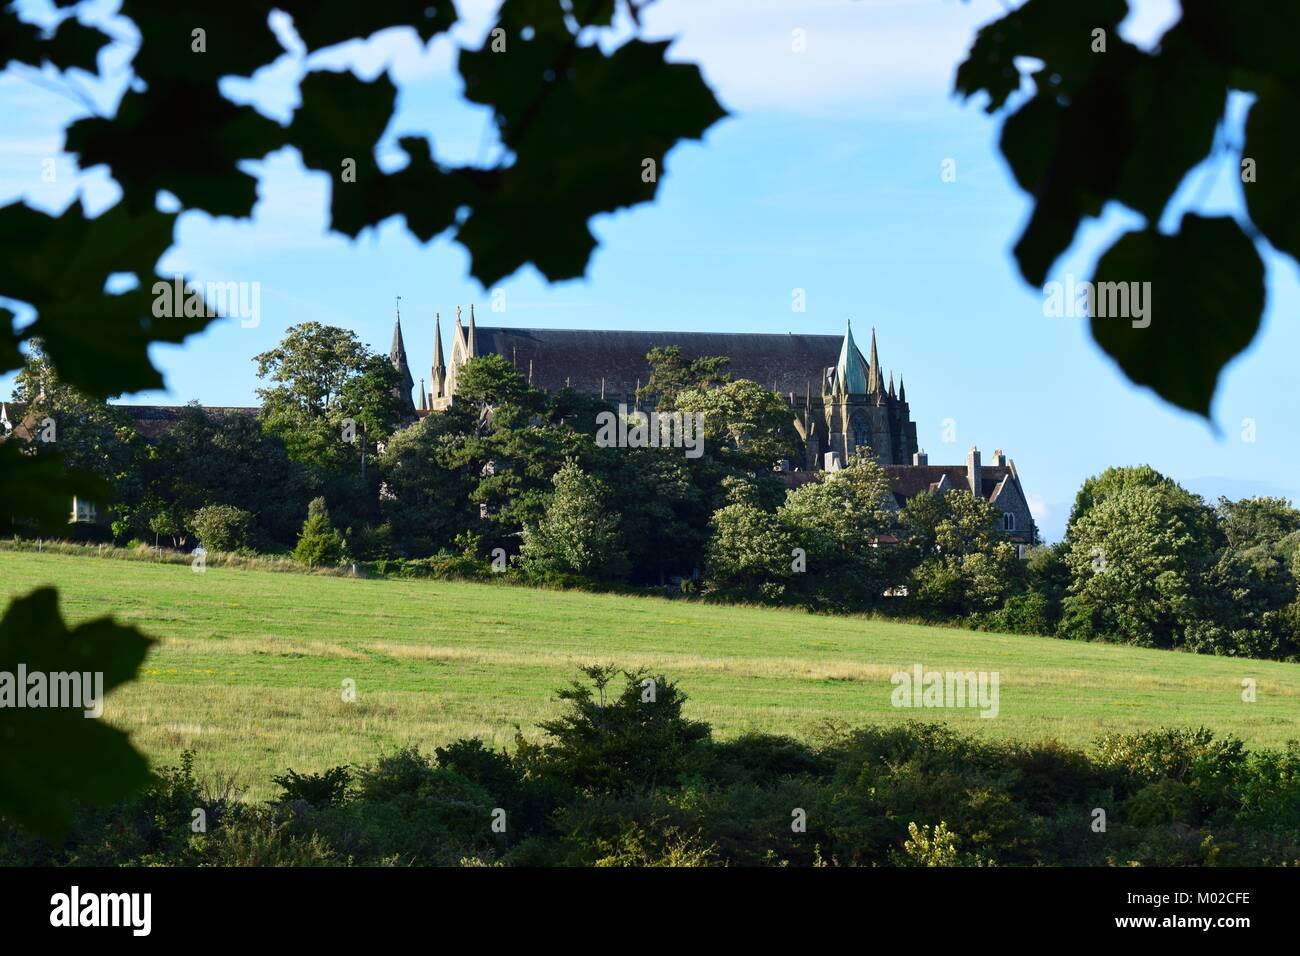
(1008, 521)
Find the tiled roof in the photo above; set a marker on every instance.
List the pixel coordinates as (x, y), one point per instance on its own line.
(908, 481)
(581, 357)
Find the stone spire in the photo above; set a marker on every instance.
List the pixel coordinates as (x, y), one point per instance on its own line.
(439, 380)
(849, 367)
(424, 398)
(891, 385)
(873, 370)
(902, 392)
(471, 331)
(397, 355)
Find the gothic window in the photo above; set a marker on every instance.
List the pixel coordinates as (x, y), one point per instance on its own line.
(1008, 521)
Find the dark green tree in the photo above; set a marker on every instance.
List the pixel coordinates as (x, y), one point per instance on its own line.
(319, 544)
(578, 533)
(671, 373)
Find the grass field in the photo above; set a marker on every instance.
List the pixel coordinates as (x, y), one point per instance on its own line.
(249, 665)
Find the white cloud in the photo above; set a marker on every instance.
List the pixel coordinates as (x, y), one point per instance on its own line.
(859, 54)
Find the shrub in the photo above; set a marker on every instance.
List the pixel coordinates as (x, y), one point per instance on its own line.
(637, 741)
(319, 543)
(222, 527)
(375, 542)
(318, 789)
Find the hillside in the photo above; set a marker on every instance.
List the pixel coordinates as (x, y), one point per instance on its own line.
(249, 665)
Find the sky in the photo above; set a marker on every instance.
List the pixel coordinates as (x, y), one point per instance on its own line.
(825, 178)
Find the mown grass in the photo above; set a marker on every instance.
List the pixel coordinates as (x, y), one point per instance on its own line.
(249, 666)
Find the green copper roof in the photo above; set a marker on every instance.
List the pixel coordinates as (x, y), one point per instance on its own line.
(849, 367)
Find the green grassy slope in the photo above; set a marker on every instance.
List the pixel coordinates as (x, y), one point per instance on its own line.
(249, 665)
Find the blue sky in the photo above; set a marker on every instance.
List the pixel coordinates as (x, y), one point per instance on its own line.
(825, 178)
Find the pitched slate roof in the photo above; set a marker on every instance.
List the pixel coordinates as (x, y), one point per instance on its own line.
(582, 357)
(908, 481)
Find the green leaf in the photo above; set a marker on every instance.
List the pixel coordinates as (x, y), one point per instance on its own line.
(1071, 158)
(1058, 34)
(323, 23)
(1205, 302)
(237, 41)
(581, 124)
(1273, 142)
(10, 357)
(71, 45)
(59, 265)
(149, 147)
(51, 756)
(1119, 124)
(342, 119)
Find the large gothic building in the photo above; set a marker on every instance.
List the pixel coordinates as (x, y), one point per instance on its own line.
(840, 400)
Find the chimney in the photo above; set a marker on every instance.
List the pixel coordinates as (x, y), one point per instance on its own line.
(920, 458)
(973, 471)
(999, 459)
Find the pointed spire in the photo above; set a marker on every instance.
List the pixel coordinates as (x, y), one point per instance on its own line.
(424, 405)
(438, 382)
(470, 348)
(849, 368)
(902, 392)
(891, 385)
(397, 355)
(873, 370)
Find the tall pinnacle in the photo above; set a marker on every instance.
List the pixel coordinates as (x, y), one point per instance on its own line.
(873, 372)
(849, 367)
(397, 355)
(471, 330)
(438, 381)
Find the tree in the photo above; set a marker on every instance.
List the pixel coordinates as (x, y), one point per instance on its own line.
(838, 523)
(1138, 561)
(750, 553)
(88, 435)
(631, 744)
(961, 563)
(578, 533)
(222, 527)
(1250, 594)
(212, 458)
(332, 396)
(165, 523)
(310, 367)
(426, 494)
(319, 544)
(491, 381)
(1110, 482)
(746, 426)
(1254, 522)
(671, 373)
